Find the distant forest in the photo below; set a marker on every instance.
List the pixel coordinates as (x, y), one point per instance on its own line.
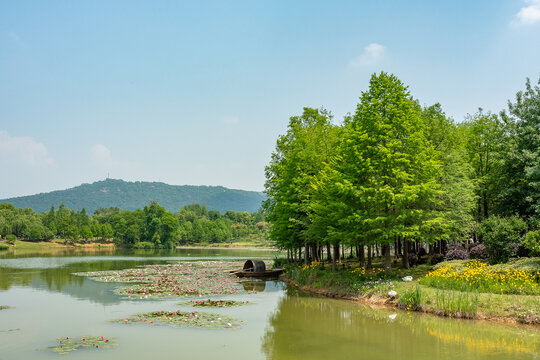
(136, 195)
(150, 227)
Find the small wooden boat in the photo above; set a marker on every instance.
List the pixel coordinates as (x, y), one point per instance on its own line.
(257, 269)
(267, 274)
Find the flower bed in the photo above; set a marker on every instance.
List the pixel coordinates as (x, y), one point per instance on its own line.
(477, 276)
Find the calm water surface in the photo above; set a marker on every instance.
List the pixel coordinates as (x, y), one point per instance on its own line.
(49, 302)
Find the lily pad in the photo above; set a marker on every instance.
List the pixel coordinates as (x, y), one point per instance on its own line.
(182, 279)
(213, 303)
(67, 344)
(194, 319)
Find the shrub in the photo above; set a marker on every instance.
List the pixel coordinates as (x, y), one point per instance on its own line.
(11, 239)
(436, 258)
(456, 254)
(532, 242)
(279, 262)
(413, 259)
(479, 252)
(519, 250)
(422, 252)
(498, 234)
(4, 247)
(144, 245)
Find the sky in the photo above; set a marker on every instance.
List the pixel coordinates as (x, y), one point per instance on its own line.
(197, 92)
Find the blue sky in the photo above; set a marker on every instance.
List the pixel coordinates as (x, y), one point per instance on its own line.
(197, 92)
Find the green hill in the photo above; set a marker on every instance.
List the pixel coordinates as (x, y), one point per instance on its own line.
(135, 195)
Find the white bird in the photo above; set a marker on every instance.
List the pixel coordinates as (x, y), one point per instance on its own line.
(392, 293)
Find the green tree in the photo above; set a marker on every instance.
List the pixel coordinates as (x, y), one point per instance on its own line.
(299, 156)
(386, 169)
(485, 145)
(521, 165)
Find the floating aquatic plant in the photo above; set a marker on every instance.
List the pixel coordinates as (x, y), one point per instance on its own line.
(179, 318)
(213, 303)
(68, 344)
(182, 279)
(3, 307)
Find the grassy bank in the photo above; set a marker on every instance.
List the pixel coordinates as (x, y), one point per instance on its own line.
(463, 289)
(52, 247)
(59, 246)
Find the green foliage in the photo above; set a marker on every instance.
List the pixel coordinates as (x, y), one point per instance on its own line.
(532, 242)
(135, 195)
(499, 233)
(4, 247)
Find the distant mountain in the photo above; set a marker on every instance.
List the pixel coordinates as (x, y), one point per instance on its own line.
(135, 195)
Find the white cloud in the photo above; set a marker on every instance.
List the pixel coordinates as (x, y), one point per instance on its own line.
(373, 54)
(230, 120)
(101, 156)
(528, 15)
(23, 151)
(103, 160)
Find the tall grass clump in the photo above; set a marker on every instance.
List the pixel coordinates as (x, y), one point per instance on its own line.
(457, 304)
(411, 299)
(478, 276)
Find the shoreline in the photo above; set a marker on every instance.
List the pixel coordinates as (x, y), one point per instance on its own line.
(392, 303)
(243, 247)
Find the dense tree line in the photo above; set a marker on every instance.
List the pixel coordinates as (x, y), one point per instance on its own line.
(150, 227)
(398, 177)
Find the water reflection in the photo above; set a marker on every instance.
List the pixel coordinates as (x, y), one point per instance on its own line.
(304, 327)
(253, 285)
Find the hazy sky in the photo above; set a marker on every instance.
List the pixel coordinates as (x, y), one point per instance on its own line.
(197, 92)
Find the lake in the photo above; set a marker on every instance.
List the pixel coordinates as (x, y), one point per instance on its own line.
(49, 302)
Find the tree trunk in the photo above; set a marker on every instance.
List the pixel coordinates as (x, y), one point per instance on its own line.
(306, 251)
(362, 256)
(335, 257)
(387, 258)
(300, 255)
(369, 255)
(405, 258)
(328, 252)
